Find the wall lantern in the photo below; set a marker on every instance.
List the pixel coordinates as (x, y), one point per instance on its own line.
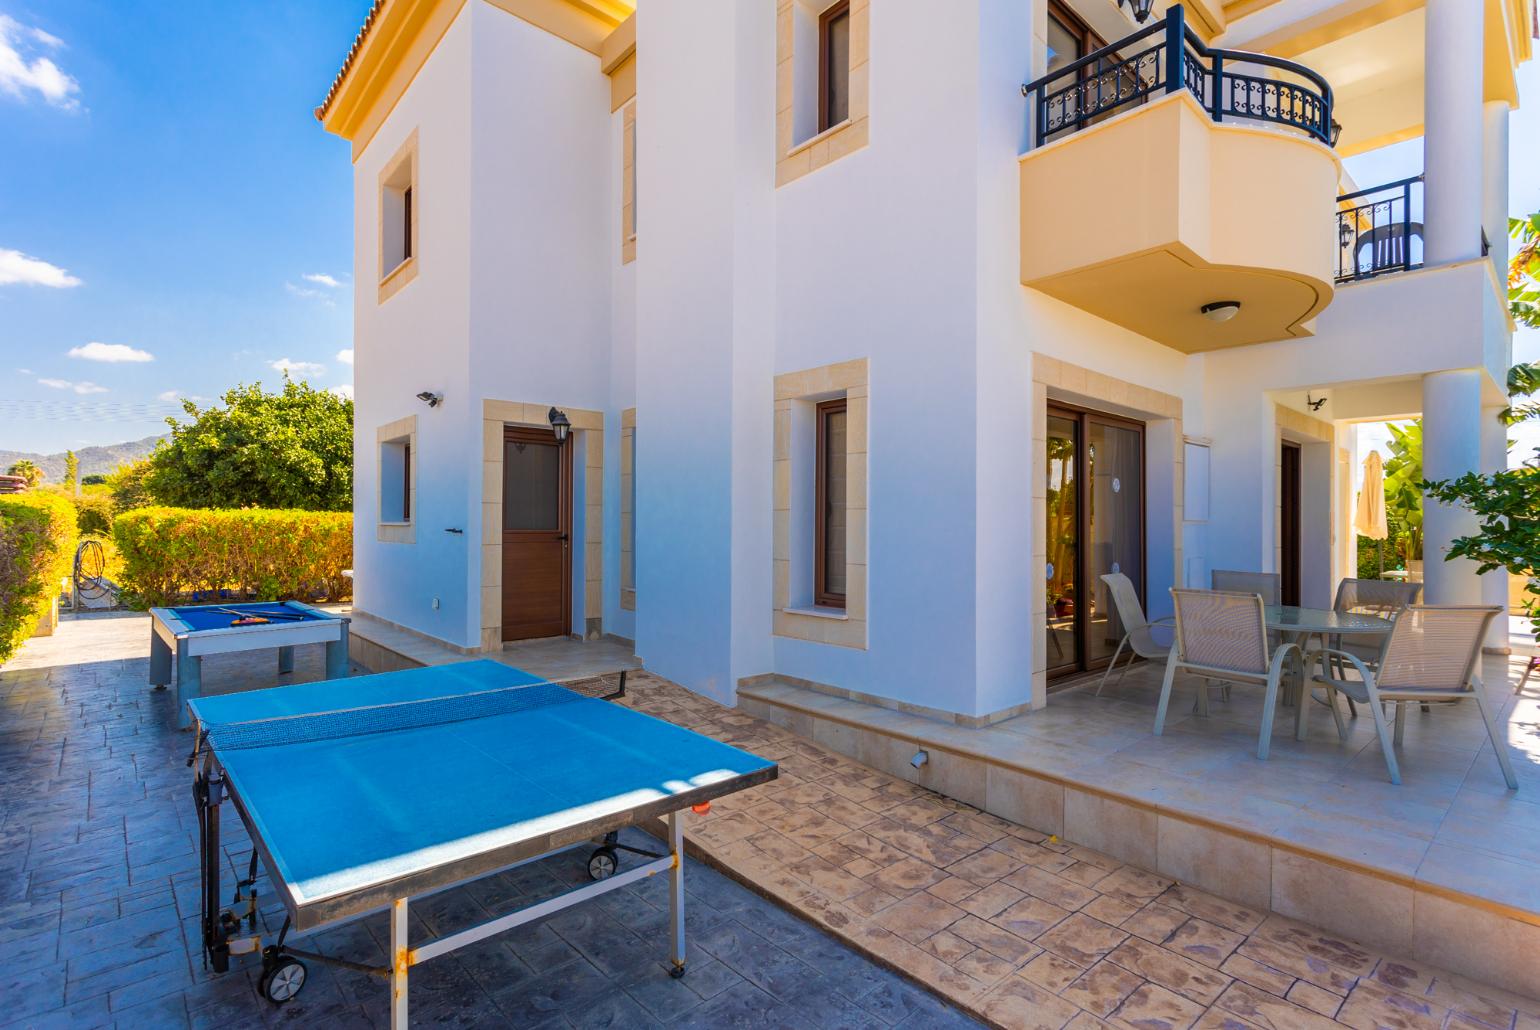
(1336, 131)
(1220, 310)
(1140, 9)
(1346, 232)
(561, 425)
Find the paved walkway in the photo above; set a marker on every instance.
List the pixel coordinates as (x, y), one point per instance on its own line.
(98, 895)
(1031, 931)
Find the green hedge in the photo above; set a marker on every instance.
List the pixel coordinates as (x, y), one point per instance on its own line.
(37, 547)
(265, 554)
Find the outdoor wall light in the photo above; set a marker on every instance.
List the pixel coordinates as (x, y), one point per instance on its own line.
(1336, 131)
(1345, 233)
(1220, 310)
(1140, 9)
(920, 758)
(561, 425)
(430, 398)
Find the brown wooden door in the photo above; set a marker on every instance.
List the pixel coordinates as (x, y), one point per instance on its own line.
(1289, 524)
(537, 531)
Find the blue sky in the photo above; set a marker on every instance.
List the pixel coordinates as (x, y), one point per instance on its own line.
(165, 156)
(173, 220)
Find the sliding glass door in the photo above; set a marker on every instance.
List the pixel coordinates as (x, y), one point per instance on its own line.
(1095, 526)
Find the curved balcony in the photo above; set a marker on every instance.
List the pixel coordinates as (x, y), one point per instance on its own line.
(1169, 176)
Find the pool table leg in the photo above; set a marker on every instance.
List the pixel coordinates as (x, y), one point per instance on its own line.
(189, 682)
(285, 660)
(337, 656)
(160, 661)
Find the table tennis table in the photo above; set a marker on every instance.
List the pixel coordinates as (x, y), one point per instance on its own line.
(362, 794)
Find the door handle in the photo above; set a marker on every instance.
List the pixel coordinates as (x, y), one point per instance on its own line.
(562, 538)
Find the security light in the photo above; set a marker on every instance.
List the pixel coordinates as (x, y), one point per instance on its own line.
(430, 398)
(561, 425)
(1220, 310)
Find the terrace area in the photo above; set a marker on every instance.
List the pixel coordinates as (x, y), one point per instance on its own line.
(820, 899)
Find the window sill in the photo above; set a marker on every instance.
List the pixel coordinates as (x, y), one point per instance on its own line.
(819, 612)
(382, 523)
(797, 148)
(397, 277)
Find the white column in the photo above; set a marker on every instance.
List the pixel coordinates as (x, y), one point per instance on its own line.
(1494, 458)
(1451, 447)
(1494, 185)
(1452, 136)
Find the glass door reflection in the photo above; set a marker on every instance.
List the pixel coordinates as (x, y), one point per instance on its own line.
(1063, 537)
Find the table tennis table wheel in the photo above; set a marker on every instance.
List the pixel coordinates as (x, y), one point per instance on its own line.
(281, 979)
(603, 863)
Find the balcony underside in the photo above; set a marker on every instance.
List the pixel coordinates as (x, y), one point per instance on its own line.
(1160, 292)
(1146, 217)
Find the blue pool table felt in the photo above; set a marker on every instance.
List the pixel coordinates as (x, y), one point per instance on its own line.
(404, 801)
(204, 617)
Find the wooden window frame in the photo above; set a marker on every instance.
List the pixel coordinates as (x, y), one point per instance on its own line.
(407, 227)
(822, 597)
(833, 11)
(1090, 42)
(406, 481)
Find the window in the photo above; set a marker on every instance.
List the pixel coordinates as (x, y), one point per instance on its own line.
(834, 65)
(400, 203)
(628, 508)
(396, 480)
(829, 523)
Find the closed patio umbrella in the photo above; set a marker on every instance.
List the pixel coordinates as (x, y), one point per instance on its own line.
(1369, 518)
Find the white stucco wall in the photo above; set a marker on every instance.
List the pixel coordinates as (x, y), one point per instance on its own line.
(419, 340)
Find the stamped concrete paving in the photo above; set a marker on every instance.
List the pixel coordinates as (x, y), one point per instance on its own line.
(98, 895)
(1030, 931)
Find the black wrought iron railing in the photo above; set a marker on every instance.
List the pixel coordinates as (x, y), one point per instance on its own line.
(1168, 57)
(1379, 230)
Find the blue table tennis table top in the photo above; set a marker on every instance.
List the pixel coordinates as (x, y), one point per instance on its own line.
(349, 823)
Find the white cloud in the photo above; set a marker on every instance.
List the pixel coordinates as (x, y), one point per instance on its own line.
(112, 353)
(344, 391)
(310, 293)
(176, 397)
(25, 371)
(296, 368)
(81, 387)
(16, 267)
(322, 279)
(24, 70)
(345, 356)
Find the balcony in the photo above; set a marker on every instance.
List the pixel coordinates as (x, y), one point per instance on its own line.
(1376, 230)
(1167, 176)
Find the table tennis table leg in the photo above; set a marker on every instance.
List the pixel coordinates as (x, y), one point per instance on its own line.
(400, 962)
(285, 660)
(676, 893)
(160, 661)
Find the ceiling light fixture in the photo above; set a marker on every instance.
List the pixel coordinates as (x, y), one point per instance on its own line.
(1220, 310)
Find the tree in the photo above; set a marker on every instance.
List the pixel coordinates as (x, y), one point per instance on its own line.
(28, 471)
(1403, 487)
(71, 473)
(94, 479)
(127, 483)
(291, 449)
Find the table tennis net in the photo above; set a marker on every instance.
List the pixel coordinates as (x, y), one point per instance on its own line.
(385, 718)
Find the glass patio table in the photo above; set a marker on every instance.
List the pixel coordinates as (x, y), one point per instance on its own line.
(1297, 625)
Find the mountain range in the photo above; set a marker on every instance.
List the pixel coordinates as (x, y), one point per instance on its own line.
(93, 460)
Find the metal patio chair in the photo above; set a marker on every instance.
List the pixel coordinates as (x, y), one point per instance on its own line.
(1380, 597)
(1138, 633)
(1268, 584)
(1222, 635)
(1429, 655)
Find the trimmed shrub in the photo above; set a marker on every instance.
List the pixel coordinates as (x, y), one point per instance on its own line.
(93, 514)
(259, 553)
(37, 548)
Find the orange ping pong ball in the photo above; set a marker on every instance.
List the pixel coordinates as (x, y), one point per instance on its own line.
(702, 808)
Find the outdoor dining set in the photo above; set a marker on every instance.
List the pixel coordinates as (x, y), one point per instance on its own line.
(1376, 647)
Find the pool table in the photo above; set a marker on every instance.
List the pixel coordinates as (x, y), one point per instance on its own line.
(192, 631)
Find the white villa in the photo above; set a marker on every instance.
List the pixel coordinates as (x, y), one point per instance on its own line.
(873, 365)
(840, 347)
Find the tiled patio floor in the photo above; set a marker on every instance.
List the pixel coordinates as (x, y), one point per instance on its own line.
(98, 895)
(1031, 931)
